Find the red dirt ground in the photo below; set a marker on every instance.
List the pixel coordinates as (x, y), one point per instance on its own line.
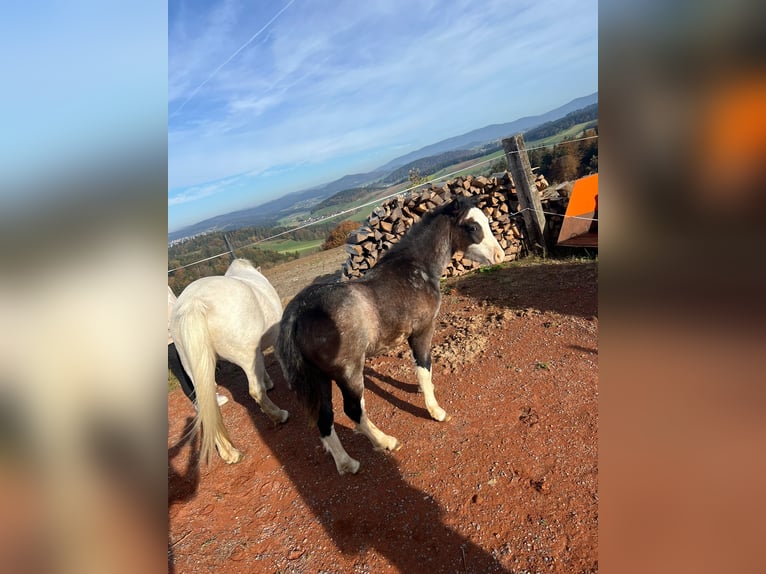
(509, 484)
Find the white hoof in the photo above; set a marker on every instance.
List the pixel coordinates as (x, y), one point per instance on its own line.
(232, 457)
(350, 465)
(393, 444)
(438, 414)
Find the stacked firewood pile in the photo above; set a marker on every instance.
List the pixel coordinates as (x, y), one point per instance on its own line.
(389, 221)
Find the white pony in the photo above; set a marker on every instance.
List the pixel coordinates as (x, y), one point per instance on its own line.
(234, 317)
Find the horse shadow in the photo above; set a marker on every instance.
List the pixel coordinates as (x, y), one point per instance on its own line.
(182, 486)
(371, 374)
(375, 511)
(565, 288)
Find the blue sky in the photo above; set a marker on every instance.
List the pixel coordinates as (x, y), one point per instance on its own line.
(266, 98)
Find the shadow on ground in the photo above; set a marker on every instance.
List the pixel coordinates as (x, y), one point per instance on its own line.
(561, 287)
(374, 511)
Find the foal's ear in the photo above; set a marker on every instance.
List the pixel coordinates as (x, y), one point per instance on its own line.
(460, 206)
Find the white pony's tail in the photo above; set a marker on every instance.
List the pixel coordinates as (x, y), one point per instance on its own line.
(193, 341)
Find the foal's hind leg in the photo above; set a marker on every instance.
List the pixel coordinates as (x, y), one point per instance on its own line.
(421, 350)
(330, 440)
(352, 389)
(256, 378)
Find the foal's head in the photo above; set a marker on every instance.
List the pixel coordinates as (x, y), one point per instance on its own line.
(471, 233)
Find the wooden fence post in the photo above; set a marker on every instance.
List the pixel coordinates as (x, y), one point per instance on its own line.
(229, 247)
(529, 198)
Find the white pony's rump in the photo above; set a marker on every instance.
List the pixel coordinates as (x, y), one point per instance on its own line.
(234, 317)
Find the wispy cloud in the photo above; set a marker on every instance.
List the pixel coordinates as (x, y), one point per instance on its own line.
(196, 193)
(232, 56)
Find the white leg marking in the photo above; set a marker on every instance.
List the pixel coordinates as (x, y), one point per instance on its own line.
(343, 462)
(424, 381)
(377, 437)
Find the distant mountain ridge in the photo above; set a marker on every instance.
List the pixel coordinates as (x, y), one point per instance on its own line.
(267, 213)
(491, 132)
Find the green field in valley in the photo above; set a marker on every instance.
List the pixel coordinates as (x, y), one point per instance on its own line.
(290, 245)
(573, 132)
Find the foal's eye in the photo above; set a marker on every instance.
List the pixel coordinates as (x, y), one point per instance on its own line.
(473, 228)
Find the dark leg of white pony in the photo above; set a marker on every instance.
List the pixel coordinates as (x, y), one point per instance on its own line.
(268, 384)
(269, 339)
(421, 351)
(256, 379)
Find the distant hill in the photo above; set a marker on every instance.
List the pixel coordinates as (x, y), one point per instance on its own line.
(346, 196)
(463, 146)
(267, 214)
(433, 163)
(492, 132)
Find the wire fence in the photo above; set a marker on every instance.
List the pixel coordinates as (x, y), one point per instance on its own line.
(381, 200)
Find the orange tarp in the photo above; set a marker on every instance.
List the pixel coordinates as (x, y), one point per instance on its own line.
(580, 227)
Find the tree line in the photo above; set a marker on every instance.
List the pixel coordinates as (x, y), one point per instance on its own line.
(178, 280)
(569, 159)
(565, 161)
(346, 196)
(548, 129)
(211, 244)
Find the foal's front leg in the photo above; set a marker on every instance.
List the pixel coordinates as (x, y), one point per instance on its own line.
(364, 425)
(352, 389)
(421, 350)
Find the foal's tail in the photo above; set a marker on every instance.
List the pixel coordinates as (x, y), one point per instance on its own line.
(302, 376)
(193, 342)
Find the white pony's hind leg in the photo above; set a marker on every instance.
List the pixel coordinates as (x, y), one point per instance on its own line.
(228, 453)
(256, 378)
(343, 462)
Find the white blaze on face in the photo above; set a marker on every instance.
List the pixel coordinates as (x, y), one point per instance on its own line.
(489, 250)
